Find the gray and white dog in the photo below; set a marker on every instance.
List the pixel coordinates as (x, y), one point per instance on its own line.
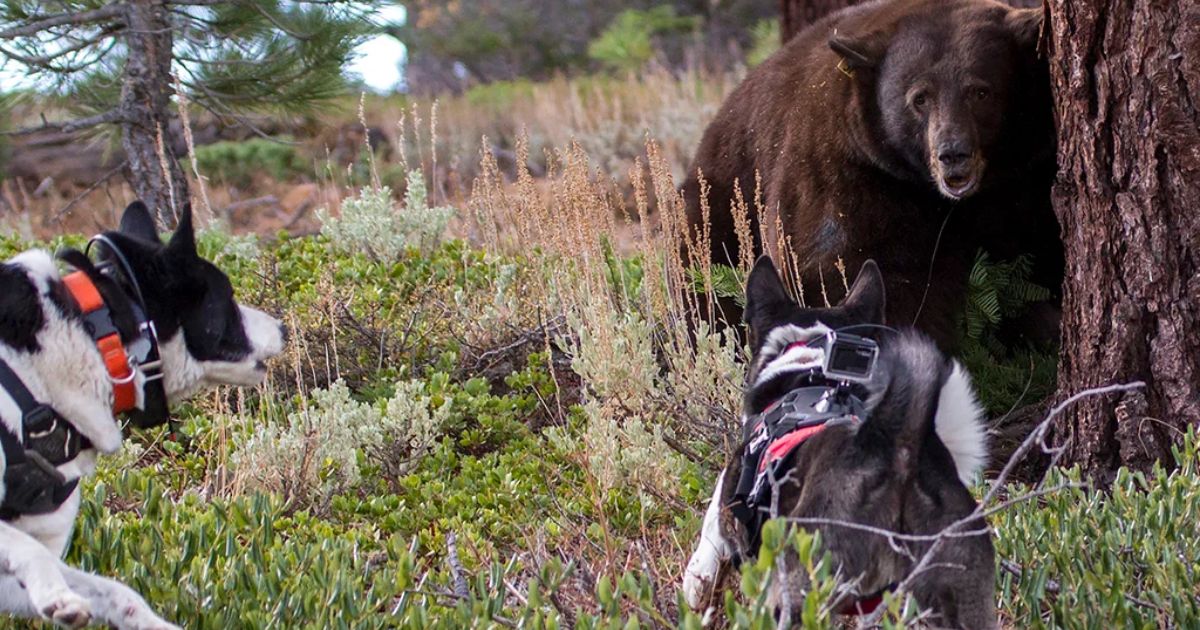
(56, 376)
(902, 466)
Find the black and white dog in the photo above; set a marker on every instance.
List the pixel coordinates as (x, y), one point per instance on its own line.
(892, 452)
(76, 350)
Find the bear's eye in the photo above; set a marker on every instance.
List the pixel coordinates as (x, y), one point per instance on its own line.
(981, 93)
(920, 100)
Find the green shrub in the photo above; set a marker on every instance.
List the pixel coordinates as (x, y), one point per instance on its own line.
(238, 564)
(1088, 559)
(319, 450)
(238, 163)
(627, 43)
(765, 37)
(371, 224)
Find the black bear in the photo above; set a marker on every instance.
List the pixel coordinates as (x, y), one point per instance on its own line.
(889, 130)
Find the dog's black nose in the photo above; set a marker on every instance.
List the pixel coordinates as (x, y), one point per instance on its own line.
(285, 332)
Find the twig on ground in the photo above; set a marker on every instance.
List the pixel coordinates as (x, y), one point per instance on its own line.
(461, 589)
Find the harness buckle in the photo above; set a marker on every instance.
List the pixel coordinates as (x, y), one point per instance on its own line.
(125, 380)
(40, 421)
(99, 323)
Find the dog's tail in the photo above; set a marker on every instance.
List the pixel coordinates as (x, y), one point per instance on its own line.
(902, 413)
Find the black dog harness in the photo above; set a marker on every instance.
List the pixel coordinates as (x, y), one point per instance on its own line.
(773, 438)
(32, 482)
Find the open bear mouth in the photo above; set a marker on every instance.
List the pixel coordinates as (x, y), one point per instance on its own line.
(958, 185)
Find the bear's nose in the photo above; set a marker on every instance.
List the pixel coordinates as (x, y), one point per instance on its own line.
(953, 153)
(953, 157)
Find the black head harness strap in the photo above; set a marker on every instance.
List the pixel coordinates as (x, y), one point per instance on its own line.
(144, 350)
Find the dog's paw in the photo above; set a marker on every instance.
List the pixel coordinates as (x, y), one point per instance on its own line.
(699, 578)
(696, 590)
(67, 609)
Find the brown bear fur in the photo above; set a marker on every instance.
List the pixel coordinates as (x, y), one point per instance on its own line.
(849, 164)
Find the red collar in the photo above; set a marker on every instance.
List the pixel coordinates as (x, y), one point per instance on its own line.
(98, 321)
(863, 606)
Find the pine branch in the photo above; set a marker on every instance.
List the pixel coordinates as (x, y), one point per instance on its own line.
(65, 19)
(45, 61)
(279, 25)
(71, 126)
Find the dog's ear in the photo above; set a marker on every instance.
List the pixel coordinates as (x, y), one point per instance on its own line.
(766, 297)
(137, 222)
(183, 241)
(867, 300)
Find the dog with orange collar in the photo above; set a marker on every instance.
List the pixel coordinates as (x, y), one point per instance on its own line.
(144, 326)
(884, 433)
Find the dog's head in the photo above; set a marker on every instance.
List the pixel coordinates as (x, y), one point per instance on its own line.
(776, 322)
(206, 337)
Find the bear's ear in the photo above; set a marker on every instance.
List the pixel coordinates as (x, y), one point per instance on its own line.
(766, 297)
(1026, 27)
(867, 299)
(859, 51)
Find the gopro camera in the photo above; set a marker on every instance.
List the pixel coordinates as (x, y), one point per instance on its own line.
(849, 357)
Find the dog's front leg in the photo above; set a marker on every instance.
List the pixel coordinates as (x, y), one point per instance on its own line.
(711, 554)
(31, 584)
(114, 603)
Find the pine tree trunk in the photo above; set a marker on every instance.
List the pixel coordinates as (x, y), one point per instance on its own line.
(154, 173)
(1126, 80)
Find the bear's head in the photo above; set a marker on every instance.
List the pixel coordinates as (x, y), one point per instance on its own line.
(945, 86)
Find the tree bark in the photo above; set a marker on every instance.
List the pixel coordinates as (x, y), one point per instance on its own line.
(154, 173)
(1126, 81)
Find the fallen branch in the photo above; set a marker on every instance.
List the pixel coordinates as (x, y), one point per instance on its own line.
(457, 575)
(71, 126)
